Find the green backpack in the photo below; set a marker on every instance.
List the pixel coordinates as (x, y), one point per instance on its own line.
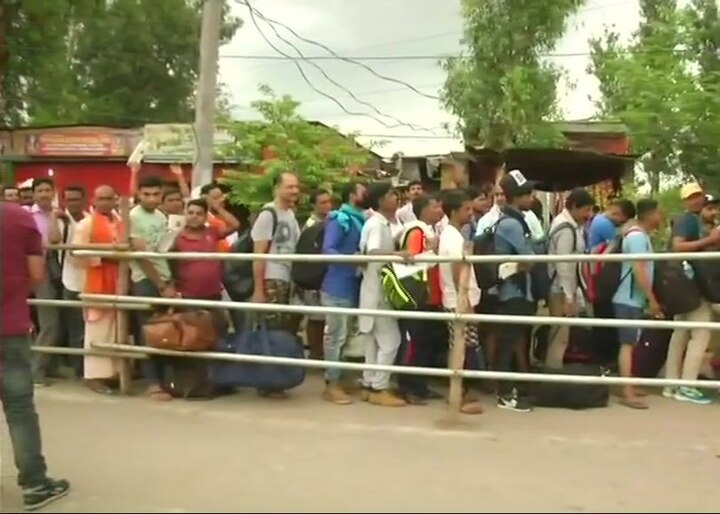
(407, 293)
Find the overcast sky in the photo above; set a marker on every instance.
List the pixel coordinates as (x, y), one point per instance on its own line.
(380, 28)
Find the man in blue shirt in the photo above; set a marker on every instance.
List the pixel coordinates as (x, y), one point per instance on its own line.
(687, 347)
(634, 295)
(512, 237)
(341, 284)
(603, 227)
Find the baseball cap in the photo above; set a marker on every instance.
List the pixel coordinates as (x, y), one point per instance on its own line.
(689, 190)
(514, 183)
(710, 199)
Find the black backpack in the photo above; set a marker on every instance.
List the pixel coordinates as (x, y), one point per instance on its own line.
(669, 280)
(610, 276)
(309, 275)
(238, 275)
(486, 273)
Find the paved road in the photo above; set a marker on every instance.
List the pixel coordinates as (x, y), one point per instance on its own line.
(242, 454)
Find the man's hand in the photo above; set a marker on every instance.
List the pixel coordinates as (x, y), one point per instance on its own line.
(407, 256)
(176, 170)
(715, 235)
(655, 309)
(570, 308)
(432, 244)
(259, 295)
(168, 291)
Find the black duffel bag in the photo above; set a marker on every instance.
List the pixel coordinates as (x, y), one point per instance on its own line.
(572, 396)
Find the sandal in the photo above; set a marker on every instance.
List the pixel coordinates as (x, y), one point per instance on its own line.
(634, 403)
(158, 394)
(100, 388)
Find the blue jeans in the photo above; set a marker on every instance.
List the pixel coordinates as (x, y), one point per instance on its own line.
(152, 366)
(337, 326)
(16, 379)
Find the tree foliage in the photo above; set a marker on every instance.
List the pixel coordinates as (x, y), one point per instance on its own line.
(100, 61)
(502, 89)
(663, 84)
(282, 140)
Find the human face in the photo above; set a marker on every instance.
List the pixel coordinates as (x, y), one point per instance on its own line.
(26, 197)
(414, 191)
(582, 214)
(655, 219)
(74, 202)
(616, 215)
(389, 202)
(358, 199)
(323, 205)
(43, 195)
(195, 217)
(215, 197)
(464, 214)
(11, 194)
(433, 213)
(105, 199)
(694, 203)
(499, 198)
(709, 213)
(525, 202)
(288, 189)
(481, 204)
(173, 203)
(150, 197)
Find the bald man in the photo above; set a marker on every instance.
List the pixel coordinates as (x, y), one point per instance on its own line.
(103, 226)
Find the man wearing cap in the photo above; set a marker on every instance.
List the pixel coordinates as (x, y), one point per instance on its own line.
(709, 213)
(687, 347)
(513, 237)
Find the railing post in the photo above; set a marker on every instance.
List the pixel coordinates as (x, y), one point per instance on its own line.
(457, 352)
(121, 316)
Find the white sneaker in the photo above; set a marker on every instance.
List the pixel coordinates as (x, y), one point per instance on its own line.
(668, 392)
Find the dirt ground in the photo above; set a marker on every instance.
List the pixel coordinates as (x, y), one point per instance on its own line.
(245, 454)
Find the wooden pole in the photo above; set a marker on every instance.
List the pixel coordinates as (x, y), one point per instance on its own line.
(457, 353)
(121, 317)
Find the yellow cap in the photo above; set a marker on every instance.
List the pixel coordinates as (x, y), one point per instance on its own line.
(689, 190)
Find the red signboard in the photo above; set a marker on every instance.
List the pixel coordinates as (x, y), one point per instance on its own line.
(76, 144)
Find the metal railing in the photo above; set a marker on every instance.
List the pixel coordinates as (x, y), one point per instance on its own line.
(121, 350)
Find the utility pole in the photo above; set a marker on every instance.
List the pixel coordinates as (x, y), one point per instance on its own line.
(205, 96)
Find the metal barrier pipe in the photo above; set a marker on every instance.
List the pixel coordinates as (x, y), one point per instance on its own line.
(411, 370)
(424, 315)
(80, 304)
(361, 259)
(93, 246)
(97, 352)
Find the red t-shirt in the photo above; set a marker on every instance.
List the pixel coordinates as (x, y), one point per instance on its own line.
(19, 239)
(198, 278)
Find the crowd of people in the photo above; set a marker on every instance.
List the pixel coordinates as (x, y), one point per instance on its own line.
(371, 219)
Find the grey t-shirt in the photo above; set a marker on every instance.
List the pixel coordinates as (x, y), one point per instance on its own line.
(287, 233)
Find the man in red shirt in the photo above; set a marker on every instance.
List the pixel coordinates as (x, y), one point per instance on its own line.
(22, 266)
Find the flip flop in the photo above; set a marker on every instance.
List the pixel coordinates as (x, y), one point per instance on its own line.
(158, 395)
(634, 404)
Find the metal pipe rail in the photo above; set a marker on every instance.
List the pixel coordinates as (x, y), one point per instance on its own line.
(77, 304)
(387, 313)
(411, 370)
(362, 259)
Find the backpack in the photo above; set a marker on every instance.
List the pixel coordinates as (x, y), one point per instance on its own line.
(669, 279)
(409, 292)
(609, 276)
(238, 275)
(707, 278)
(541, 278)
(309, 275)
(486, 273)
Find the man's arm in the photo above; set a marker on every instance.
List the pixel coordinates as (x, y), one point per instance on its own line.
(333, 238)
(32, 241)
(230, 221)
(686, 232)
(564, 242)
(512, 232)
(262, 235)
(54, 230)
(176, 170)
(147, 267)
(637, 243)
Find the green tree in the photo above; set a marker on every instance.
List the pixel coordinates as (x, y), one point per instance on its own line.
(283, 140)
(100, 61)
(502, 90)
(652, 86)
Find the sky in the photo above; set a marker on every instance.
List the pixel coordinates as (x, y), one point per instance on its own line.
(392, 30)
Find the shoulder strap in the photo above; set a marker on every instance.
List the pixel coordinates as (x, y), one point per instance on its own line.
(562, 226)
(273, 212)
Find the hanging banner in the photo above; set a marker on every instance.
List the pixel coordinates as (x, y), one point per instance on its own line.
(76, 144)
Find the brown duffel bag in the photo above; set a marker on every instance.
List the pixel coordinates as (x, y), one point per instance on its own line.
(189, 331)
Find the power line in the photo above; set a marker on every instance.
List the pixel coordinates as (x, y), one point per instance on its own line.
(253, 18)
(333, 53)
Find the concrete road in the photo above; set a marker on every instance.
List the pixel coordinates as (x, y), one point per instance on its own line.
(245, 454)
